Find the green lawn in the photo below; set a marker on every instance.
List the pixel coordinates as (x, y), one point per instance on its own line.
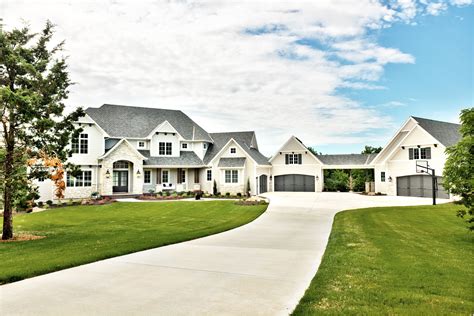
(83, 234)
(395, 260)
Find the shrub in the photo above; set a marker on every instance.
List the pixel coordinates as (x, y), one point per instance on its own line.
(167, 193)
(151, 191)
(227, 194)
(160, 193)
(49, 202)
(40, 204)
(95, 195)
(239, 195)
(214, 188)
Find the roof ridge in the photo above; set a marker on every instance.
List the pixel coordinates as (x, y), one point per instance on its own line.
(427, 119)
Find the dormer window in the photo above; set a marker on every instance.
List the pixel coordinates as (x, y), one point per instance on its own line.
(184, 146)
(204, 145)
(164, 149)
(233, 150)
(141, 144)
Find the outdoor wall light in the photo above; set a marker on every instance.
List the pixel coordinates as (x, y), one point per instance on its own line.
(271, 177)
(403, 147)
(280, 152)
(436, 145)
(107, 174)
(389, 179)
(418, 146)
(317, 178)
(138, 173)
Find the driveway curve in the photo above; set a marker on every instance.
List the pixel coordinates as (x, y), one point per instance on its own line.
(262, 268)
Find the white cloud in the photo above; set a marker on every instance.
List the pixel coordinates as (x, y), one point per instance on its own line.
(230, 65)
(436, 8)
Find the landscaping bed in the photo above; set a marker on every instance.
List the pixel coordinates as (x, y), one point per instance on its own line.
(395, 261)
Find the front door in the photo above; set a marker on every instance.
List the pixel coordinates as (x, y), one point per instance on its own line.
(120, 181)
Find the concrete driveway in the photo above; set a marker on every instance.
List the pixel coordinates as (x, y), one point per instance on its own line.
(262, 268)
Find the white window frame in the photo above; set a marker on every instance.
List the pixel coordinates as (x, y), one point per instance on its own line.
(382, 176)
(141, 144)
(80, 145)
(204, 145)
(209, 175)
(184, 146)
(165, 149)
(233, 150)
(233, 176)
(293, 159)
(79, 181)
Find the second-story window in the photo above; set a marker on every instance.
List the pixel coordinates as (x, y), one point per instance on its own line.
(141, 144)
(293, 159)
(419, 153)
(164, 149)
(233, 150)
(184, 146)
(80, 145)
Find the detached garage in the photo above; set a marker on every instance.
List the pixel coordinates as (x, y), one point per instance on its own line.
(420, 186)
(294, 183)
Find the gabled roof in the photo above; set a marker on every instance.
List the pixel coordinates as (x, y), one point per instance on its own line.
(244, 139)
(117, 145)
(347, 159)
(303, 146)
(446, 133)
(231, 162)
(138, 122)
(186, 158)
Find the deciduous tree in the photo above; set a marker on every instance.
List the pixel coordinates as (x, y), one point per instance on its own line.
(458, 175)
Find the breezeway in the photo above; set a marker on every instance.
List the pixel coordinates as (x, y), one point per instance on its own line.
(262, 268)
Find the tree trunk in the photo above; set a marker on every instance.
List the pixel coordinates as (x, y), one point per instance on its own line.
(7, 194)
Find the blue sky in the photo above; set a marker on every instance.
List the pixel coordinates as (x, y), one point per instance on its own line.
(440, 82)
(337, 74)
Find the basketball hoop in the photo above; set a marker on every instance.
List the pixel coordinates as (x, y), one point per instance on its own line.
(422, 166)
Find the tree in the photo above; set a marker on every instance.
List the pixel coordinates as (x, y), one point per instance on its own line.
(336, 180)
(34, 82)
(314, 151)
(371, 150)
(458, 175)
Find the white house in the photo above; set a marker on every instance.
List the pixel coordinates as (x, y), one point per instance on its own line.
(134, 150)
(419, 141)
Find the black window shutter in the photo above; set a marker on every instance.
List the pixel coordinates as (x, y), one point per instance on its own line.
(299, 158)
(286, 159)
(410, 153)
(428, 152)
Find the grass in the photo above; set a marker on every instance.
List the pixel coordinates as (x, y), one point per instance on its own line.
(395, 260)
(82, 234)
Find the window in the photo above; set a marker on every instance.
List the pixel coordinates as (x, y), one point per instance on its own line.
(141, 144)
(165, 176)
(184, 146)
(209, 175)
(196, 175)
(419, 153)
(382, 176)
(231, 176)
(121, 164)
(147, 176)
(80, 145)
(293, 159)
(182, 176)
(204, 145)
(164, 149)
(233, 150)
(83, 179)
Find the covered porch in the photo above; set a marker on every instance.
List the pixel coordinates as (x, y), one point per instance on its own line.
(160, 179)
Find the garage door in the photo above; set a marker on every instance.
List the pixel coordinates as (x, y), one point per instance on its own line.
(294, 183)
(419, 185)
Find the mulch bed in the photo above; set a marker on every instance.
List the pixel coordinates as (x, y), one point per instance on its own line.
(23, 237)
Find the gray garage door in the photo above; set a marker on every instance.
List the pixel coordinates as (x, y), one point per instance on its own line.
(294, 183)
(420, 185)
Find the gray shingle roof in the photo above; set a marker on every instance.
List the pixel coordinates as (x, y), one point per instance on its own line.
(349, 159)
(186, 158)
(446, 133)
(129, 121)
(231, 162)
(244, 139)
(110, 143)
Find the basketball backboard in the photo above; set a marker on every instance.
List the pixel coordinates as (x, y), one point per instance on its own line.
(422, 166)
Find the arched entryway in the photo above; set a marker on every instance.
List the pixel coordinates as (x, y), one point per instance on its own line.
(121, 180)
